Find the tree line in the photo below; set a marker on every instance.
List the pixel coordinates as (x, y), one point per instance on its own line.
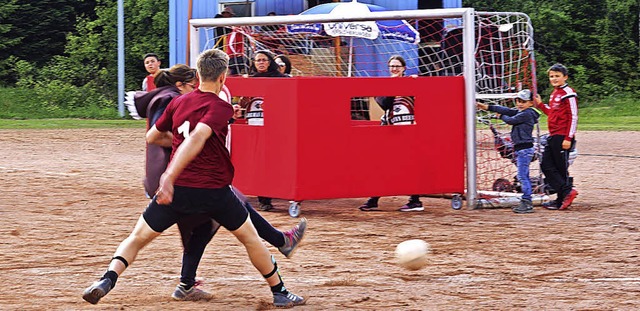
(67, 50)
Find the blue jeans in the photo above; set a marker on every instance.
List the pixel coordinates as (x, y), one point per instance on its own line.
(523, 159)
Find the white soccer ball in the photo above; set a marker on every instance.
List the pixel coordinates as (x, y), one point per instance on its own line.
(412, 254)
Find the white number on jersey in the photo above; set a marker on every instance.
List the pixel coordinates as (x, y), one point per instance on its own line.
(184, 129)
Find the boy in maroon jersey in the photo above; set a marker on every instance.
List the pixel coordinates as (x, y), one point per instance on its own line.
(196, 181)
(562, 112)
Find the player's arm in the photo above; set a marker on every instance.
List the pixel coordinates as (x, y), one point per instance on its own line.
(521, 117)
(573, 120)
(540, 105)
(503, 110)
(184, 154)
(154, 136)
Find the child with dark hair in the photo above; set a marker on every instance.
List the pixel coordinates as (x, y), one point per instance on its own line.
(562, 112)
(284, 64)
(152, 65)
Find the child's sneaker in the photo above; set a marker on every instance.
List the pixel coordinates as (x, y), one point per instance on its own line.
(551, 205)
(525, 207)
(412, 207)
(568, 199)
(191, 294)
(288, 300)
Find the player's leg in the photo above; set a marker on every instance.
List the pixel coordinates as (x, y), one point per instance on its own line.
(196, 232)
(266, 264)
(231, 214)
(523, 159)
(152, 223)
(551, 157)
(287, 241)
(125, 254)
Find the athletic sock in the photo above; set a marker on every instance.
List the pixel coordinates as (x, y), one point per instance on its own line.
(111, 275)
(279, 288)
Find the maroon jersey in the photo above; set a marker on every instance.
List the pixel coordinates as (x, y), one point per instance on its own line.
(212, 167)
(562, 111)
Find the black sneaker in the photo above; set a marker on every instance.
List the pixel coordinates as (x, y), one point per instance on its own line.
(266, 207)
(367, 207)
(412, 207)
(97, 290)
(551, 205)
(525, 207)
(289, 300)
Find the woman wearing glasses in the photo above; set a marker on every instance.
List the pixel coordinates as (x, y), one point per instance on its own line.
(264, 65)
(398, 110)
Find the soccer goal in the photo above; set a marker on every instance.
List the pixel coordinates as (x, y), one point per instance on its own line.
(492, 50)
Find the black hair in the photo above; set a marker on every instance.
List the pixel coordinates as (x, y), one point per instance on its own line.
(273, 67)
(150, 55)
(287, 63)
(559, 68)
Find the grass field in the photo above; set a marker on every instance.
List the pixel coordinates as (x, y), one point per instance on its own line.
(586, 123)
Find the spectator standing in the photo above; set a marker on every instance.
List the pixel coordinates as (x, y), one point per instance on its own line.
(398, 110)
(152, 65)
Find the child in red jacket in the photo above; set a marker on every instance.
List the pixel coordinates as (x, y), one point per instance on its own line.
(562, 112)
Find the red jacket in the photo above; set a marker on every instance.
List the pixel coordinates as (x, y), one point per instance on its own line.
(562, 112)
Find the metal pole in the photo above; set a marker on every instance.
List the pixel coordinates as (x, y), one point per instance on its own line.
(121, 58)
(468, 42)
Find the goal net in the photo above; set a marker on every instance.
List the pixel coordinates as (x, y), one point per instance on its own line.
(497, 62)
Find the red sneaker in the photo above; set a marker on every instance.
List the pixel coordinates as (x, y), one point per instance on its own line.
(566, 202)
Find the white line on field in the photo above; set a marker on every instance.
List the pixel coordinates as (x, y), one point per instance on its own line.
(12, 169)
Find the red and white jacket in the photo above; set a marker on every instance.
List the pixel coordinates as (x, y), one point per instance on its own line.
(562, 112)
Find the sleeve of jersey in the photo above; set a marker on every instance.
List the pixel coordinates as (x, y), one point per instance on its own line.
(217, 117)
(165, 123)
(572, 101)
(544, 108)
(503, 110)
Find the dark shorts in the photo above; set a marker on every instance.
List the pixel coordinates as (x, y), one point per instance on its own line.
(220, 204)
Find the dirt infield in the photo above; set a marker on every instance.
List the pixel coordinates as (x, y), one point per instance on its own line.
(70, 196)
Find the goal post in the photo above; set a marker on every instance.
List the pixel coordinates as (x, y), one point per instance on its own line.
(492, 51)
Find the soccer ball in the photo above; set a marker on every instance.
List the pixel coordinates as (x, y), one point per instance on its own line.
(412, 254)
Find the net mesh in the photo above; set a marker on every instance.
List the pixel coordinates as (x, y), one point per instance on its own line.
(503, 62)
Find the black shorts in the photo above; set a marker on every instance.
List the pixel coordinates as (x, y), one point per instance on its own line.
(220, 204)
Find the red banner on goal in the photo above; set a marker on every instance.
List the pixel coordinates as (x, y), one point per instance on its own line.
(309, 148)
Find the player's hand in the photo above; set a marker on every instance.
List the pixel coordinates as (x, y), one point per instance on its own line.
(538, 99)
(482, 106)
(566, 144)
(164, 195)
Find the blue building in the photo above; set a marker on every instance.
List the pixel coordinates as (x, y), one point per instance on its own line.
(180, 11)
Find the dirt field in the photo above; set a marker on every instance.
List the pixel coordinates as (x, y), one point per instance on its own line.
(70, 196)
